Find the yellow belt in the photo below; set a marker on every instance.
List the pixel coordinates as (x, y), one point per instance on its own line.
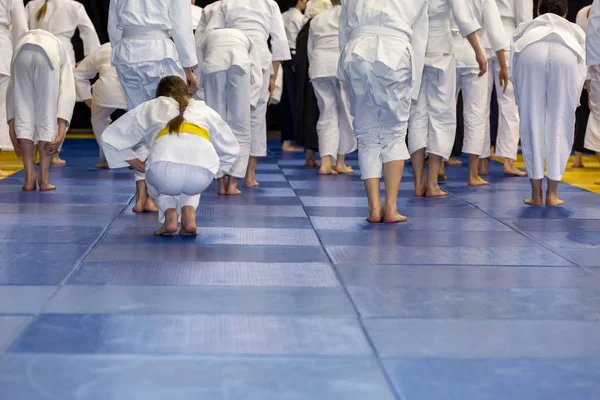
(186, 127)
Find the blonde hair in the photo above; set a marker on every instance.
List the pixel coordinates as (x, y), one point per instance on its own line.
(316, 7)
(42, 12)
(175, 88)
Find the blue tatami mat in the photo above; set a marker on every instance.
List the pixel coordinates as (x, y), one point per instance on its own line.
(289, 294)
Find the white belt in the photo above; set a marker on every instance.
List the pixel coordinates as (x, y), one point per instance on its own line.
(378, 31)
(145, 34)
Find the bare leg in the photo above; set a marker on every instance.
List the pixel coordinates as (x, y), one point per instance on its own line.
(44, 178)
(143, 203)
(56, 160)
(578, 161)
(222, 184)
(442, 173)
(474, 178)
(232, 187)
(170, 225)
(311, 159)
(537, 193)
(552, 199)
(484, 167)
(375, 208)
(510, 169)
(433, 188)
(102, 165)
(287, 147)
(418, 164)
(454, 162)
(326, 167)
(188, 222)
(251, 172)
(341, 166)
(392, 176)
(28, 164)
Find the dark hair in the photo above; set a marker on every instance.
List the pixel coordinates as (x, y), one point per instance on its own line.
(42, 12)
(558, 7)
(176, 88)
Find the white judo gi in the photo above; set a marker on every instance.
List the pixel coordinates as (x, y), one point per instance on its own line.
(292, 22)
(592, 134)
(513, 13)
(42, 87)
(196, 15)
(548, 72)
(230, 81)
(432, 122)
(383, 46)
(180, 166)
(207, 13)
(258, 19)
(12, 13)
(474, 87)
(107, 95)
(62, 19)
(143, 51)
(334, 127)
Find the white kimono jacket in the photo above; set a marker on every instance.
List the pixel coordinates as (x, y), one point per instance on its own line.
(593, 36)
(518, 11)
(140, 127)
(196, 15)
(12, 13)
(292, 21)
(61, 62)
(108, 91)
(207, 13)
(62, 19)
(324, 44)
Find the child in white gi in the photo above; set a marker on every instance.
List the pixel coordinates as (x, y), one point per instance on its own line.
(548, 72)
(188, 144)
(334, 128)
(40, 102)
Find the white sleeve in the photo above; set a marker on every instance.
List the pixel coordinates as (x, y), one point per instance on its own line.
(464, 17)
(87, 31)
(66, 89)
(279, 43)
(182, 33)
(593, 36)
(419, 46)
(199, 93)
(256, 75)
(10, 99)
(523, 11)
(492, 24)
(201, 29)
(86, 70)
(18, 19)
(343, 28)
(311, 42)
(217, 21)
(224, 141)
(114, 33)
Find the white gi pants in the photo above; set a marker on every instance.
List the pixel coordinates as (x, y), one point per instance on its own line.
(474, 90)
(380, 100)
(432, 123)
(5, 143)
(228, 93)
(507, 142)
(258, 116)
(548, 87)
(592, 134)
(100, 121)
(36, 88)
(176, 186)
(334, 127)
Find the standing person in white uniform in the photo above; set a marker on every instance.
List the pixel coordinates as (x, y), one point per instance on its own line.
(61, 18)
(230, 79)
(40, 102)
(383, 46)
(188, 143)
(12, 13)
(548, 72)
(292, 21)
(474, 87)
(196, 14)
(107, 95)
(140, 32)
(432, 125)
(513, 13)
(592, 135)
(336, 138)
(258, 19)
(207, 14)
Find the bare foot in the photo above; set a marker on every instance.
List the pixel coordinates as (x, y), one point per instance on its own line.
(233, 191)
(577, 164)
(442, 178)
(483, 167)
(170, 225)
(420, 189)
(310, 164)
(222, 186)
(56, 160)
(553, 201)
(511, 170)
(375, 216)
(150, 206)
(139, 206)
(251, 183)
(188, 222)
(327, 171)
(29, 186)
(597, 183)
(394, 218)
(454, 162)
(288, 148)
(46, 187)
(478, 182)
(102, 165)
(537, 202)
(435, 192)
(344, 169)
